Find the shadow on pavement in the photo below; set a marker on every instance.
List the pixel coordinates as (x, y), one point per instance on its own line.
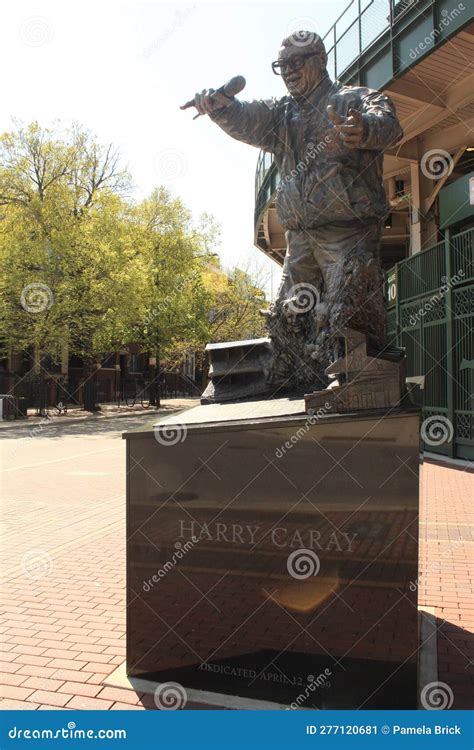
(95, 426)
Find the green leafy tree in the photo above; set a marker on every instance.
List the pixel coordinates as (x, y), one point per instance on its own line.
(63, 239)
(86, 270)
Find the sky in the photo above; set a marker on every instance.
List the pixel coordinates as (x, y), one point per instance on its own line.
(121, 69)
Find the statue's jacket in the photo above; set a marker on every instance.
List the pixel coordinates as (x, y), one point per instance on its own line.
(322, 181)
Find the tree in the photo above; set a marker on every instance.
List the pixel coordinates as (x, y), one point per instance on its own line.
(236, 304)
(61, 235)
(86, 270)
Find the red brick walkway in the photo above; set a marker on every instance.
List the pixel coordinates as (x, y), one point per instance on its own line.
(447, 572)
(63, 610)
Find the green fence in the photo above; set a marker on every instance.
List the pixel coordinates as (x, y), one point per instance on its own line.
(430, 312)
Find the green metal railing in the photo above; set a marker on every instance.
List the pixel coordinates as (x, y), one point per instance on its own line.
(361, 24)
(430, 312)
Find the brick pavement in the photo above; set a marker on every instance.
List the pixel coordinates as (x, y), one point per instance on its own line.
(447, 572)
(63, 613)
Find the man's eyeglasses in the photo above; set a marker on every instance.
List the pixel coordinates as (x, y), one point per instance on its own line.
(291, 64)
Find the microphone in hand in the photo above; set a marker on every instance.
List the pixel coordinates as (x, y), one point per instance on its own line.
(210, 100)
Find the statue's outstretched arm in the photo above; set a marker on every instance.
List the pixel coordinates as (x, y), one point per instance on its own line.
(257, 123)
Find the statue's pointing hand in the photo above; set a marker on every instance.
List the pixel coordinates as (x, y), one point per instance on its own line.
(210, 100)
(351, 128)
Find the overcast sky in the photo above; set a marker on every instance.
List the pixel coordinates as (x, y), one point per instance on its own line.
(123, 69)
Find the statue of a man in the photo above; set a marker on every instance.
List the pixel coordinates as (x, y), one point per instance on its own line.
(328, 141)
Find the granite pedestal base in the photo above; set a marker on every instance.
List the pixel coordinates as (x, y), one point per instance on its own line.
(274, 556)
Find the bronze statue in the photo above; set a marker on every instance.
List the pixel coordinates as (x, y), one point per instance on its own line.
(328, 141)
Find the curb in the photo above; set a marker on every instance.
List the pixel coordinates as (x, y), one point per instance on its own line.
(453, 463)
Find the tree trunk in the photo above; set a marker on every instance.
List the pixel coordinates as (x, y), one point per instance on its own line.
(89, 390)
